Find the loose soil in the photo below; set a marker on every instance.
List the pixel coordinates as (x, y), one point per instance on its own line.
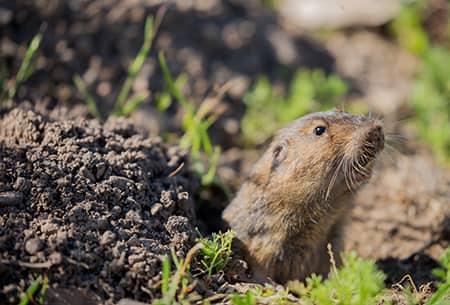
(92, 206)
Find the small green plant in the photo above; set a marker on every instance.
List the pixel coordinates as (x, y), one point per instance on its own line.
(270, 4)
(358, 282)
(246, 299)
(430, 99)
(408, 28)
(35, 292)
(266, 294)
(442, 295)
(196, 122)
(267, 110)
(216, 252)
(9, 87)
(124, 103)
(177, 288)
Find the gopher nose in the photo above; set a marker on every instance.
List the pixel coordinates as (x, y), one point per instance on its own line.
(376, 137)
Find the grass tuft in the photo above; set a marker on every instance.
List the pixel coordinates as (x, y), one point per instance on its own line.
(358, 282)
(124, 104)
(246, 299)
(216, 252)
(35, 293)
(442, 295)
(196, 122)
(177, 288)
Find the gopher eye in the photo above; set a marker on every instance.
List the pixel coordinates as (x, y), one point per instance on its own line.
(319, 130)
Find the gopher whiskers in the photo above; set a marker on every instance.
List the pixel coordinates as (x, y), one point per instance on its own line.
(334, 177)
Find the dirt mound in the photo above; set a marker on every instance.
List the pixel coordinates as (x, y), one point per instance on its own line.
(88, 205)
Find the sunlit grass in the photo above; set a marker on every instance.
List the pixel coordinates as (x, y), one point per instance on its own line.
(9, 85)
(35, 293)
(196, 122)
(357, 282)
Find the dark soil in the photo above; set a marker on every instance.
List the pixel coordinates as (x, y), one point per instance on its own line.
(91, 206)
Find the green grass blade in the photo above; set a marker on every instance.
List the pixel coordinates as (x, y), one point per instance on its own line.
(441, 296)
(205, 140)
(90, 101)
(138, 62)
(43, 290)
(31, 291)
(27, 66)
(165, 276)
(163, 101)
(173, 90)
(133, 103)
(136, 65)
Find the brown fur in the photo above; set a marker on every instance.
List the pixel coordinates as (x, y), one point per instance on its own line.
(296, 199)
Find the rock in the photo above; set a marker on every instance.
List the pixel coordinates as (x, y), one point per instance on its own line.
(34, 245)
(319, 14)
(156, 208)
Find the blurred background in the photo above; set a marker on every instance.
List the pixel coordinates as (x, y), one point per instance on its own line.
(219, 77)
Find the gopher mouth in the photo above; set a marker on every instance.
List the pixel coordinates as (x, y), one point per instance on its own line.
(362, 171)
(355, 171)
(358, 159)
(358, 170)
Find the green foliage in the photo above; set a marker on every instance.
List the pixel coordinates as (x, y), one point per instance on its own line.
(430, 96)
(176, 288)
(246, 299)
(267, 294)
(124, 103)
(35, 293)
(270, 4)
(358, 282)
(8, 88)
(267, 110)
(90, 101)
(196, 122)
(216, 252)
(430, 99)
(442, 295)
(407, 28)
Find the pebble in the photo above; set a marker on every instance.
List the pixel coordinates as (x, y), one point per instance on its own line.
(107, 238)
(156, 208)
(34, 245)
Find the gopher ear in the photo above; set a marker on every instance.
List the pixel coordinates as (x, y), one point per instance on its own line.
(260, 172)
(279, 154)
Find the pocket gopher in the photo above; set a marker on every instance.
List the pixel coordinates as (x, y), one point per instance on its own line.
(298, 195)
